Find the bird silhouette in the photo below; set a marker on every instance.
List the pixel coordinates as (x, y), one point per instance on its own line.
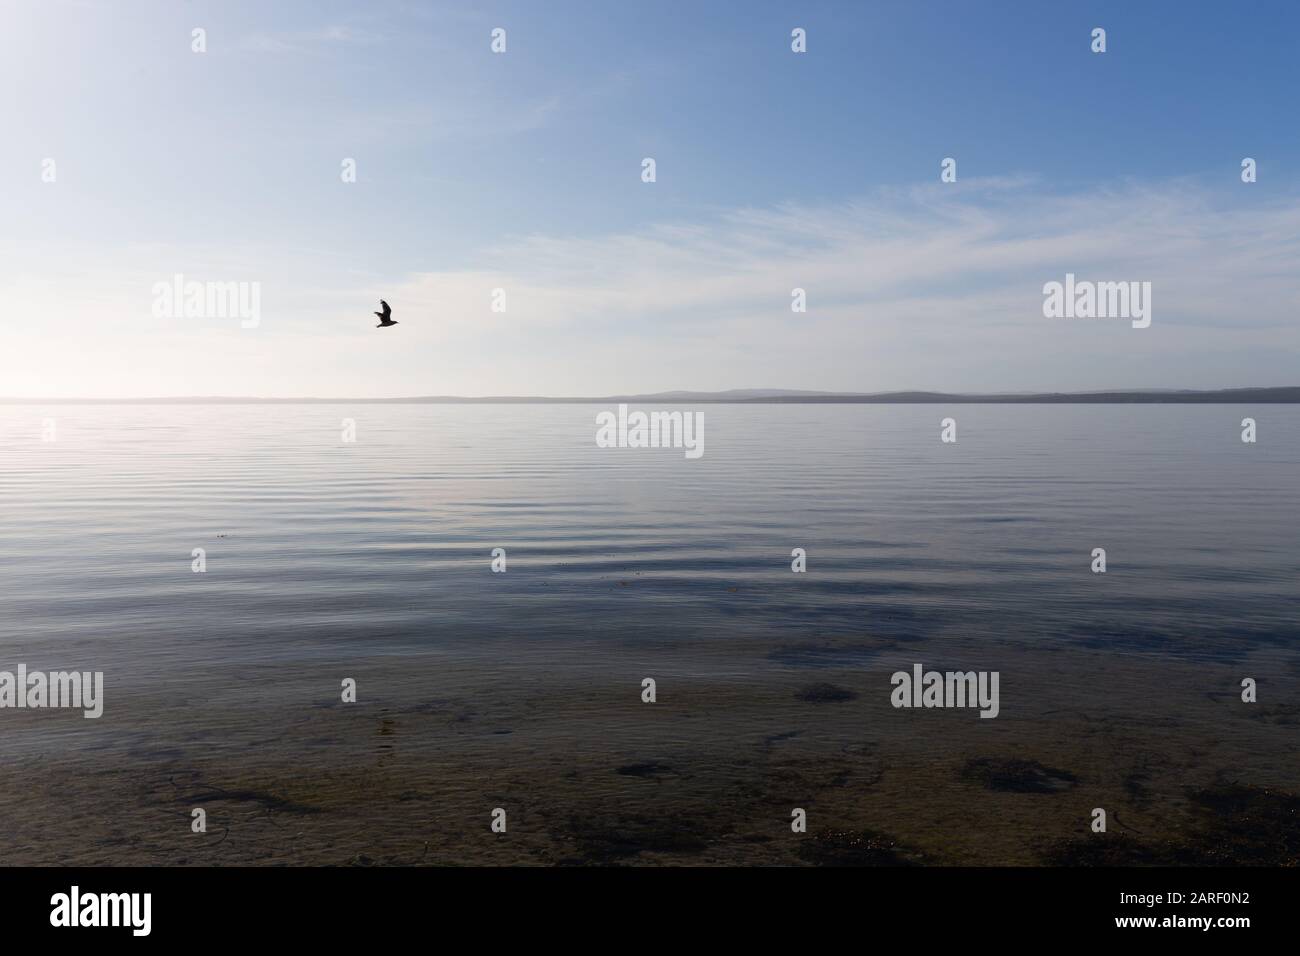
(384, 320)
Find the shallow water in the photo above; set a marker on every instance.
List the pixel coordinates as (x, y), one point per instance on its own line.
(328, 559)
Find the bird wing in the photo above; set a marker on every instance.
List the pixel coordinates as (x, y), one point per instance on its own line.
(387, 310)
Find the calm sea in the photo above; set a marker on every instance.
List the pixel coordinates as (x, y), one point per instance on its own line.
(385, 542)
(371, 559)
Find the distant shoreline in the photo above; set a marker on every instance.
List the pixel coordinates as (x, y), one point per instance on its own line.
(1280, 395)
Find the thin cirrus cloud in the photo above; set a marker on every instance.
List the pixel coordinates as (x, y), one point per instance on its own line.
(316, 40)
(972, 260)
(929, 287)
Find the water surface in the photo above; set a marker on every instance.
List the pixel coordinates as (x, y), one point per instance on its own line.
(371, 559)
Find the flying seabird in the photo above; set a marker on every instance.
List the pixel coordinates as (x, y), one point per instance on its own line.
(384, 320)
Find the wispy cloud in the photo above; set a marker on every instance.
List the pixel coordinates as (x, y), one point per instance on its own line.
(924, 288)
(316, 39)
(972, 258)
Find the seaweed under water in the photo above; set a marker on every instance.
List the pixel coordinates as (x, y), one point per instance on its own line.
(1234, 825)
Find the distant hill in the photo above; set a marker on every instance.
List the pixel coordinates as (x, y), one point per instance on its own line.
(741, 396)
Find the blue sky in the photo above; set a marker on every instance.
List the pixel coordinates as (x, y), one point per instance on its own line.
(522, 171)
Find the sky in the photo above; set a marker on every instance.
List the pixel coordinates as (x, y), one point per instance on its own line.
(127, 158)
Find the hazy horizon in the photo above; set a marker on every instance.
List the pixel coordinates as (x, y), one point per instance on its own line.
(1264, 394)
